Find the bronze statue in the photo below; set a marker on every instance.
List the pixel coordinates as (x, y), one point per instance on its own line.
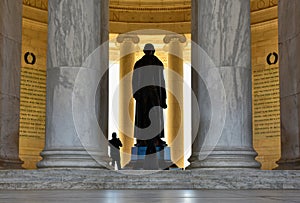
(149, 91)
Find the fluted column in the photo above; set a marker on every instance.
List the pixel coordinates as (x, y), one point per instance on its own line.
(289, 49)
(127, 60)
(221, 29)
(175, 122)
(10, 76)
(76, 31)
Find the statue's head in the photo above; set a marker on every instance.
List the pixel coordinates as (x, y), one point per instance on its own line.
(149, 49)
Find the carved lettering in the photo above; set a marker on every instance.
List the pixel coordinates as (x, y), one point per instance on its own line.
(261, 4)
(272, 58)
(40, 4)
(273, 2)
(115, 16)
(187, 16)
(44, 5)
(30, 58)
(26, 2)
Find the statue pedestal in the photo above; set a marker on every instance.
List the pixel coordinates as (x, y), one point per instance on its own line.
(161, 160)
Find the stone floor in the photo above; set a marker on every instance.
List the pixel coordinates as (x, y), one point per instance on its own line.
(89, 179)
(164, 196)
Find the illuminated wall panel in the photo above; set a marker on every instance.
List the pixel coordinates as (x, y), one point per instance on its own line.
(33, 83)
(265, 77)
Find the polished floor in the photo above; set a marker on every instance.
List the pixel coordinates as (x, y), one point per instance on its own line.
(155, 196)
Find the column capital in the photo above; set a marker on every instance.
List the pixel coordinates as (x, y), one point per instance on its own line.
(175, 44)
(128, 37)
(174, 37)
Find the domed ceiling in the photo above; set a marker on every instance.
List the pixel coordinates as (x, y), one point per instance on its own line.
(130, 15)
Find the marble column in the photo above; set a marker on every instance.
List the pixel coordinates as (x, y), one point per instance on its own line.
(222, 54)
(289, 49)
(76, 61)
(103, 89)
(127, 59)
(175, 122)
(10, 68)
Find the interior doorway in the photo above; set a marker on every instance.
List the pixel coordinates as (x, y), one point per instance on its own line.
(114, 88)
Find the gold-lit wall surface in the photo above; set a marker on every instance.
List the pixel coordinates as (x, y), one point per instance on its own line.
(33, 83)
(266, 102)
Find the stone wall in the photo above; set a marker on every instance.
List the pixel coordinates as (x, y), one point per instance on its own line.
(266, 104)
(33, 83)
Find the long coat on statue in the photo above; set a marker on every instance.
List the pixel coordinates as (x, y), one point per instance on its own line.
(148, 87)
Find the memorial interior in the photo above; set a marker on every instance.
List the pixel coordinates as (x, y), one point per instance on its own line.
(172, 15)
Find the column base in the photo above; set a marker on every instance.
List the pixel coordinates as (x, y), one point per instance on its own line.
(293, 164)
(72, 159)
(225, 159)
(11, 164)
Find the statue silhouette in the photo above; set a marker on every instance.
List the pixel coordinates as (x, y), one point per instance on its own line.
(149, 91)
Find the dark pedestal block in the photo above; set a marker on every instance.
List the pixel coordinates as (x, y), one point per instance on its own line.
(161, 160)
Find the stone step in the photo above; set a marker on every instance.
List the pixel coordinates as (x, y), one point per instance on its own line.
(190, 179)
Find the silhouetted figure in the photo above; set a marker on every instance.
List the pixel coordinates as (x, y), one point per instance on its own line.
(115, 145)
(148, 87)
